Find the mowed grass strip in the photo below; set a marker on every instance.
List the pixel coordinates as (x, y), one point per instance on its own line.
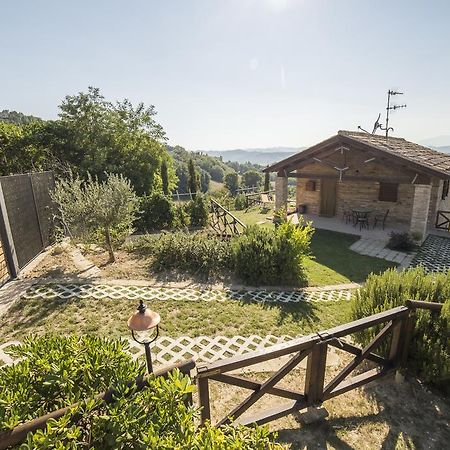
(108, 317)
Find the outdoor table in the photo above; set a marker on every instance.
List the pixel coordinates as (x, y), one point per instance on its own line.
(361, 216)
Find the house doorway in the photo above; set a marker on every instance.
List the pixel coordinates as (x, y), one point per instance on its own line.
(327, 197)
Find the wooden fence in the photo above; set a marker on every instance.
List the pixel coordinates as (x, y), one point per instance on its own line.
(397, 325)
(223, 222)
(443, 220)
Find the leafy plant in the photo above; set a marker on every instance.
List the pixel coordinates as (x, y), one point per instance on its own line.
(157, 417)
(429, 354)
(157, 212)
(58, 371)
(240, 202)
(274, 257)
(199, 210)
(91, 208)
(232, 182)
(400, 241)
(191, 252)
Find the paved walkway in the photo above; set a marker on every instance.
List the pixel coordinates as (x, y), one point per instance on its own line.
(434, 255)
(377, 249)
(205, 349)
(148, 293)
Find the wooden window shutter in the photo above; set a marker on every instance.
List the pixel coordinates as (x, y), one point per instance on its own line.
(310, 185)
(388, 192)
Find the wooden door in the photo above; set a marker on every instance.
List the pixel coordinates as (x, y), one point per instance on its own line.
(327, 197)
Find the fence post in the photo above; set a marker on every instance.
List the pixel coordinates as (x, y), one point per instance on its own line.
(398, 341)
(203, 397)
(8, 241)
(315, 374)
(409, 332)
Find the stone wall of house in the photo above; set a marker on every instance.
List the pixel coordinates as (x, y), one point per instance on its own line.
(354, 193)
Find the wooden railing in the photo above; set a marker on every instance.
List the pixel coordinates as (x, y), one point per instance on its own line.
(398, 324)
(443, 220)
(255, 198)
(223, 222)
(19, 433)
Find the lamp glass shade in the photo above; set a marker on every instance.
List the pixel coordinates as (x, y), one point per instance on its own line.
(142, 321)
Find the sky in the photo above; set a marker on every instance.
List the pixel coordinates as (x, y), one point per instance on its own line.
(227, 74)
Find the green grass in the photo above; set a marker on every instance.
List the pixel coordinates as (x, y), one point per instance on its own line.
(108, 317)
(335, 263)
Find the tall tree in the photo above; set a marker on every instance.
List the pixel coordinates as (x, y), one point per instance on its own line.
(193, 177)
(252, 178)
(165, 177)
(267, 181)
(232, 182)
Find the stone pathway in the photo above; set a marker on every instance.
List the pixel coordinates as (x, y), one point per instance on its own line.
(377, 249)
(147, 293)
(205, 349)
(434, 255)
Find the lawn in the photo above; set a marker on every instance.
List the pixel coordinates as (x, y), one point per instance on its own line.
(332, 262)
(108, 317)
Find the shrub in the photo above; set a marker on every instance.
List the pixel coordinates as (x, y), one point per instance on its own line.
(240, 202)
(157, 417)
(157, 212)
(181, 216)
(191, 252)
(199, 210)
(58, 371)
(266, 256)
(400, 241)
(429, 354)
(91, 208)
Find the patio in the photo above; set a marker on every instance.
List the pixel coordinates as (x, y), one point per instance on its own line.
(339, 225)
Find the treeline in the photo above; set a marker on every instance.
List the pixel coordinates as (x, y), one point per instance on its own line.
(91, 135)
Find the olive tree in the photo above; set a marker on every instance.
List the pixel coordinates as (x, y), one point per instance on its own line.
(91, 209)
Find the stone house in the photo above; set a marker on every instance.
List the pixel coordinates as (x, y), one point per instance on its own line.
(361, 170)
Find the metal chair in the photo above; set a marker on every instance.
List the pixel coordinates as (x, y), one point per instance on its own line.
(381, 219)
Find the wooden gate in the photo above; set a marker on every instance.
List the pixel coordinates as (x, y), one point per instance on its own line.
(443, 220)
(395, 329)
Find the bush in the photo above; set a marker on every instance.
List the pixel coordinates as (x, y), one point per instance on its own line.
(240, 202)
(58, 371)
(429, 354)
(157, 212)
(89, 209)
(181, 217)
(400, 241)
(157, 417)
(274, 257)
(199, 210)
(191, 252)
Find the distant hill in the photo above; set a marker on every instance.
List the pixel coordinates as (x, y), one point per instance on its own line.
(437, 141)
(443, 149)
(261, 156)
(17, 118)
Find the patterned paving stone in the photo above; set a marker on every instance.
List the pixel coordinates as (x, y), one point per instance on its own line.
(434, 255)
(101, 291)
(167, 350)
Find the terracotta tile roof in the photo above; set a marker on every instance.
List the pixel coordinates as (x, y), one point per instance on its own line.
(402, 148)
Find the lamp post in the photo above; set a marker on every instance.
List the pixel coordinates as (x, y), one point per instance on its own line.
(145, 319)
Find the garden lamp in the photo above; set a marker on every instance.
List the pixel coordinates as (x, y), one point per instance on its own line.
(144, 320)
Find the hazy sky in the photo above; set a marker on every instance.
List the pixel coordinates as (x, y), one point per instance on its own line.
(235, 73)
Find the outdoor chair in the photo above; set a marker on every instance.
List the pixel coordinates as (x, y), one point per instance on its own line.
(381, 218)
(361, 219)
(347, 215)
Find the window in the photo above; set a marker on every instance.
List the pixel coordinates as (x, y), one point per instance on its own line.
(311, 185)
(445, 189)
(388, 192)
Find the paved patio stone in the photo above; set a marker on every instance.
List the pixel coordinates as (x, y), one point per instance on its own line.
(434, 255)
(100, 291)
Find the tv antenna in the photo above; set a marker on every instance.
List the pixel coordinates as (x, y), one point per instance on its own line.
(377, 125)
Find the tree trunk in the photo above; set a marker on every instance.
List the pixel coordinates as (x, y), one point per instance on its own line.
(112, 258)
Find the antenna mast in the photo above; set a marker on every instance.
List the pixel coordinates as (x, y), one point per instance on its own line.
(387, 128)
